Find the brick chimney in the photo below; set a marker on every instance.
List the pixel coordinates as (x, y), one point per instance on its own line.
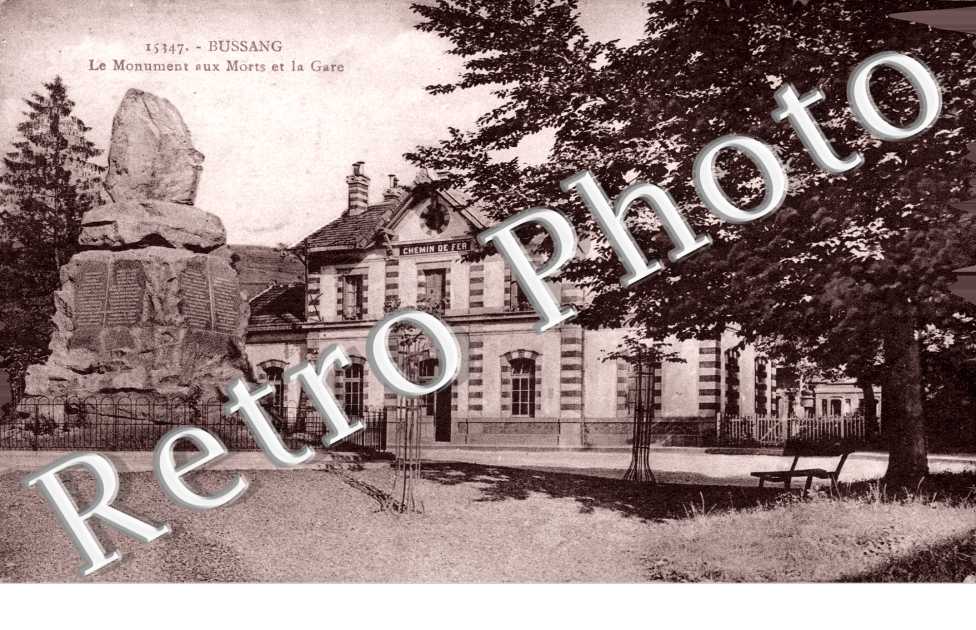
(393, 192)
(358, 184)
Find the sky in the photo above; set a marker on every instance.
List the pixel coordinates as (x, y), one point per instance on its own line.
(278, 145)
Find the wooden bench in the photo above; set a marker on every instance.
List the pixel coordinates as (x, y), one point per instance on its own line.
(808, 449)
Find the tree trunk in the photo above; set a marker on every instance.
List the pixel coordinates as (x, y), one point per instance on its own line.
(901, 410)
(870, 409)
(16, 378)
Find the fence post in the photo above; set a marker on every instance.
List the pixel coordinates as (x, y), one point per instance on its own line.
(37, 428)
(115, 425)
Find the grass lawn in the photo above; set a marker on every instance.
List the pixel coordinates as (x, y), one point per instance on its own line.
(492, 524)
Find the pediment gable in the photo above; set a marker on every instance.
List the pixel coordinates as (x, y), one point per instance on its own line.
(423, 214)
(431, 217)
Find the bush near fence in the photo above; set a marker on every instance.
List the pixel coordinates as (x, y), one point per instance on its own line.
(137, 423)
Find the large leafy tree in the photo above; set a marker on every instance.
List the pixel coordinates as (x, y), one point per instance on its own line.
(47, 184)
(853, 271)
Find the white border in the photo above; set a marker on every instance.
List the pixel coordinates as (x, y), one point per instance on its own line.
(196, 606)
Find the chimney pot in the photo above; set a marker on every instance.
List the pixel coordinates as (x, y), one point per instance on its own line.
(358, 184)
(393, 192)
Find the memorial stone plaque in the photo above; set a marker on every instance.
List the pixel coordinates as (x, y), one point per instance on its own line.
(226, 303)
(196, 298)
(91, 294)
(126, 294)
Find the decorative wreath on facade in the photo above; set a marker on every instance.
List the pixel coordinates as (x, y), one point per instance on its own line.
(434, 218)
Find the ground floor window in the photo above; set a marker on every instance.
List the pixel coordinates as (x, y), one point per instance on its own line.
(275, 403)
(426, 371)
(640, 388)
(523, 387)
(353, 399)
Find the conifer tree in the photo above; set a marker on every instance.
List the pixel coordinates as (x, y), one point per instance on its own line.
(47, 183)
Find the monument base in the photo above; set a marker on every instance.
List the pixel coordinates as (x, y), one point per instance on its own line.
(155, 321)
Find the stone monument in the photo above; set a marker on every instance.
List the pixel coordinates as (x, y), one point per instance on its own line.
(152, 305)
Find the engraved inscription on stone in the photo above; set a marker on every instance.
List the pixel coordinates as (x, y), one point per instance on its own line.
(90, 295)
(196, 298)
(226, 304)
(125, 297)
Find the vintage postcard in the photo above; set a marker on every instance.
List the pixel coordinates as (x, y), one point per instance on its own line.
(477, 291)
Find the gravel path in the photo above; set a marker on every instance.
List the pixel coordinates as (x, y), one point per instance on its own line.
(480, 524)
(315, 526)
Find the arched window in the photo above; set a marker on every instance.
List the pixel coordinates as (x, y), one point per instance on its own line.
(523, 387)
(353, 390)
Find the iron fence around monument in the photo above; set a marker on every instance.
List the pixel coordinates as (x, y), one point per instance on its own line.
(132, 423)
